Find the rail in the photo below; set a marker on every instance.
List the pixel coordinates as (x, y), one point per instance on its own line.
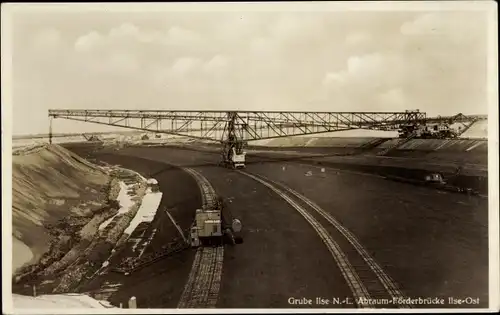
(202, 287)
(366, 284)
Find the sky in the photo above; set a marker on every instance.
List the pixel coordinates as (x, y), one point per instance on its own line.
(435, 61)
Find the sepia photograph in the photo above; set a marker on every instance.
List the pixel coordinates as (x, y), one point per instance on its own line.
(250, 157)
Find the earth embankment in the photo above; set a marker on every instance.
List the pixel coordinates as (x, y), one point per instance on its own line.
(50, 185)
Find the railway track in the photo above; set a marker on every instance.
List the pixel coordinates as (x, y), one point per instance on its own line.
(370, 285)
(202, 287)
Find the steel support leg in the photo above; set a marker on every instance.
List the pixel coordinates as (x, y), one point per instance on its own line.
(230, 138)
(50, 129)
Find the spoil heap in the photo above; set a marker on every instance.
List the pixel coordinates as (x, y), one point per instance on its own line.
(52, 190)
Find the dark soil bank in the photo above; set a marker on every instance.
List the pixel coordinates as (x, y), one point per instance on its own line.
(476, 183)
(160, 284)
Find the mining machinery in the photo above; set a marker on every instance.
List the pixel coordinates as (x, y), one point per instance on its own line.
(233, 129)
(233, 154)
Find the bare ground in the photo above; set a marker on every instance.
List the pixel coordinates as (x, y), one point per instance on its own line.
(432, 243)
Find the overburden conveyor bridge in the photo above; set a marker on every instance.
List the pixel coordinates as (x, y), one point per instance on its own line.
(232, 129)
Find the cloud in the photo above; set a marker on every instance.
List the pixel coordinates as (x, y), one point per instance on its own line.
(216, 64)
(395, 97)
(181, 36)
(335, 79)
(125, 30)
(262, 60)
(185, 65)
(368, 81)
(127, 48)
(364, 71)
(128, 34)
(88, 42)
(365, 66)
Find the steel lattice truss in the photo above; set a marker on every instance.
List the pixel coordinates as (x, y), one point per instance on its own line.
(253, 125)
(466, 121)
